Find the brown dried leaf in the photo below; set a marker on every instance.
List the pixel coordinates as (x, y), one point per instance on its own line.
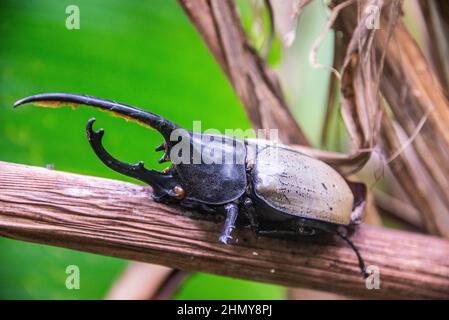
(359, 86)
(360, 77)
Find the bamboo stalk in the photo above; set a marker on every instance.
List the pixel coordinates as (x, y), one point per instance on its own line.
(120, 219)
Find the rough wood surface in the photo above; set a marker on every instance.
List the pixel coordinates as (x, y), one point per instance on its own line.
(119, 219)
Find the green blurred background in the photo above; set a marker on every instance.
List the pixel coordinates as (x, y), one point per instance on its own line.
(144, 53)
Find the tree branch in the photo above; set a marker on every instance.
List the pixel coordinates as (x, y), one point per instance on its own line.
(120, 219)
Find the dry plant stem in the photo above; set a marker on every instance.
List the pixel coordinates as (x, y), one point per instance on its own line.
(257, 86)
(145, 281)
(286, 15)
(413, 93)
(333, 87)
(410, 175)
(436, 14)
(399, 209)
(139, 281)
(422, 93)
(119, 219)
(319, 40)
(412, 90)
(360, 96)
(301, 4)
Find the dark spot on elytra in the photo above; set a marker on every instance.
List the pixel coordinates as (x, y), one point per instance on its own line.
(324, 186)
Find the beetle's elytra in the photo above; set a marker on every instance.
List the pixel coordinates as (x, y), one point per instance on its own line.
(280, 191)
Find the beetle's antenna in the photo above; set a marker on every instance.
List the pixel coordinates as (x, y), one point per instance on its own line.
(354, 248)
(143, 117)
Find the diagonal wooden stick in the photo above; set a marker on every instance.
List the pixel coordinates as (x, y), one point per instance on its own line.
(119, 219)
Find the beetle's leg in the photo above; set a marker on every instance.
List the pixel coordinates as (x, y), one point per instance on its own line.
(354, 248)
(232, 211)
(289, 228)
(274, 232)
(163, 184)
(250, 212)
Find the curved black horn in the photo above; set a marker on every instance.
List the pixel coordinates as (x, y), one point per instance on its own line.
(143, 117)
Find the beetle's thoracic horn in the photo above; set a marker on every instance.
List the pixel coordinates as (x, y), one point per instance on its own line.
(143, 117)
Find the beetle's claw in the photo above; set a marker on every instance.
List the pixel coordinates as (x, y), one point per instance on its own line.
(162, 146)
(164, 158)
(95, 138)
(224, 239)
(91, 133)
(365, 273)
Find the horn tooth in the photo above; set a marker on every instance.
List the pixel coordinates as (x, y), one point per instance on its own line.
(162, 146)
(164, 158)
(140, 165)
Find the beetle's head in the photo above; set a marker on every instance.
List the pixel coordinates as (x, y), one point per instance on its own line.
(165, 184)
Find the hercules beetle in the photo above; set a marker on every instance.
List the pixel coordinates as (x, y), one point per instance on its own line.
(281, 191)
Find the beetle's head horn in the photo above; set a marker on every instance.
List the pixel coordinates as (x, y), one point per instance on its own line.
(54, 100)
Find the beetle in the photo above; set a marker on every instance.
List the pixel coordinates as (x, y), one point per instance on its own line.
(280, 191)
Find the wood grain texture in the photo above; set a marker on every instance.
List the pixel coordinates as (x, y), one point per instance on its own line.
(119, 219)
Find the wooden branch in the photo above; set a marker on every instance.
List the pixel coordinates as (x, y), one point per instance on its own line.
(255, 84)
(119, 219)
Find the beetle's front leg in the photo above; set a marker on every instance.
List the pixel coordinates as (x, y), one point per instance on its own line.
(250, 212)
(163, 184)
(232, 212)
